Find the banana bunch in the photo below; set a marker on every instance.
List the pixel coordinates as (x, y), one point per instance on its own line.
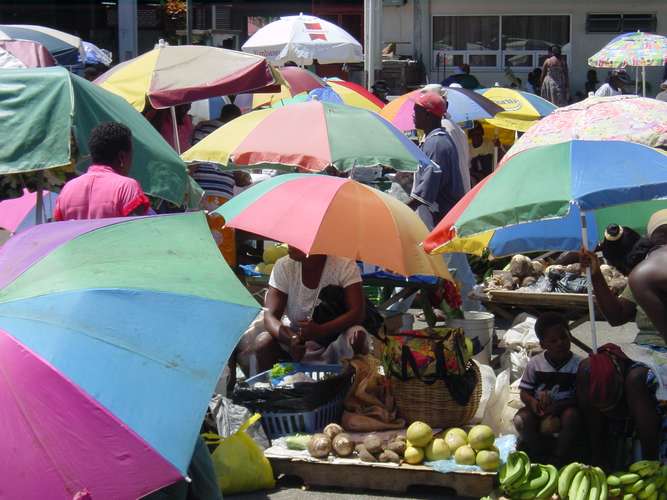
(582, 482)
(520, 479)
(645, 479)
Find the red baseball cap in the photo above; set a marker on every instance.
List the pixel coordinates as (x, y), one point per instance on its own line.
(431, 102)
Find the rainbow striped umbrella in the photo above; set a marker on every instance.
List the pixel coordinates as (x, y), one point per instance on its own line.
(309, 136)
(464, 105)
(334, 216)
(113, 333)
(520, 110)
(172, 75)
(632, 49)
(534, 201)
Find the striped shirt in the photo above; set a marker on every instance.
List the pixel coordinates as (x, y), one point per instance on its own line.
(209, 177)
(559, 381)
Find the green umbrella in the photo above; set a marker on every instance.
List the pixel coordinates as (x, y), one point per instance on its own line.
(47, 116)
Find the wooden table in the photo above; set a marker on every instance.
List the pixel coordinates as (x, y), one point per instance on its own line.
(574, 306)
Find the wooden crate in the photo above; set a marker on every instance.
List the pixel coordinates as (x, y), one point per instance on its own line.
(362, 476)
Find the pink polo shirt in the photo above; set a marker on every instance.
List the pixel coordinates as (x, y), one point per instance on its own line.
(100, 193)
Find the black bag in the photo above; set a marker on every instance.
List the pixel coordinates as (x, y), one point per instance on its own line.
(332, 305)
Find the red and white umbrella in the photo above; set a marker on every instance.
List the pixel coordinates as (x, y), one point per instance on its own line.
(302, 39)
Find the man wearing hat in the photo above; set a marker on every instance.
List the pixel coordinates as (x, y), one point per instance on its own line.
(439, 186)
(648, 280)
(614, 86)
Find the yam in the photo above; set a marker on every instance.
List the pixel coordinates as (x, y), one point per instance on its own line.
(397, 446)
(343, 445)
(521, 266)
(364, 455)
(389, 456)
(319, 446)
(373, 444)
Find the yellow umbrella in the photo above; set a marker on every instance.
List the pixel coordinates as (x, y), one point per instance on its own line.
(521, 109)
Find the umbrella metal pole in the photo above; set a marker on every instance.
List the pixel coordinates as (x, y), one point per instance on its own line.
(643, 81)
(177, 142)
(636, 80)
(39, 207)
(589, 285)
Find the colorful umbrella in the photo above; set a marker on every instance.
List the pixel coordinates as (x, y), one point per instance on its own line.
(20, 213)
(24, 54)
(51, 113)
(302, 39)
(521, 109)
(108, 365)
(632, 49)
(95, 55)
(309, 136)
(616, 118)
(298, 81)
(355, 95)
(464, 105)
(533, 201)
(65, 48)
(334, 216)
(172, 75)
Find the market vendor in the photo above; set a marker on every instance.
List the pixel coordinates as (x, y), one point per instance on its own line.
(610, 385)
(294, 289)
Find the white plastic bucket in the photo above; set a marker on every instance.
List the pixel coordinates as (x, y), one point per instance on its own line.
(478, 327)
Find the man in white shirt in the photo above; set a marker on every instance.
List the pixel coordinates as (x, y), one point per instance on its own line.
(614, 85)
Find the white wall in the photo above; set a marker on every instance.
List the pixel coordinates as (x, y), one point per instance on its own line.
(398, 25)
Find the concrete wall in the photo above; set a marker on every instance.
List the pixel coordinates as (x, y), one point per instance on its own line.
(399, 26)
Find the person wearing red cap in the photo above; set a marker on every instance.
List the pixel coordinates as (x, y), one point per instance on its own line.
(437, 186)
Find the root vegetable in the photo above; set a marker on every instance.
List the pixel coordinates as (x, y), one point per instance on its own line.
(373, 444)
(389, 456)
(332, 430)
(319, 446)
(343, 445)
(396, 446)
(364, 454)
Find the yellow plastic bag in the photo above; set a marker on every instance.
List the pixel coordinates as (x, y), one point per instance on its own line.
(239, 462)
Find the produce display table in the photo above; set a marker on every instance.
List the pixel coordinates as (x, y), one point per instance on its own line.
(379, 476)
(574, 306)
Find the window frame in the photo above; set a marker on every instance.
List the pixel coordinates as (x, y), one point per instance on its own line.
(500, 53)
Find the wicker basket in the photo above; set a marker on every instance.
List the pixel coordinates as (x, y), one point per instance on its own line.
(433, 404)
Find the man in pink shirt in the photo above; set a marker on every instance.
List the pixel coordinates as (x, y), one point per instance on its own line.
(104, 190)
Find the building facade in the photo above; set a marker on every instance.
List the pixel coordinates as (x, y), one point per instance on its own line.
(495, 37)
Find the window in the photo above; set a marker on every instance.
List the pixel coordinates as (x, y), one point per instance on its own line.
(497, 42)
(620, 23)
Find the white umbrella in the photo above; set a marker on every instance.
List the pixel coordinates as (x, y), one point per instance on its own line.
(302, 39)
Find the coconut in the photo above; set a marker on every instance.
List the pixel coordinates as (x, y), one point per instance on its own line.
(319, 446)
(343, 445)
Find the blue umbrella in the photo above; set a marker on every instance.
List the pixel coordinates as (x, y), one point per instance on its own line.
(66, 49)
(95, 55)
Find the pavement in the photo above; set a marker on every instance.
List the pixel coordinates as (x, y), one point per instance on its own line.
(290, 488)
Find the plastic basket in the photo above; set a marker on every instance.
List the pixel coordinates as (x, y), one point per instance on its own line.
(283, 423)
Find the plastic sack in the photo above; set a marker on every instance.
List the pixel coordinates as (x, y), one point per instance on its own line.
(229, 418)
(499, 415)
(239, 463)
(488, 381)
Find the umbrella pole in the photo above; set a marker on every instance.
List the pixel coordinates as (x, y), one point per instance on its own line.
(589, 287)
(177, 142)
(643, 81)
(39, 207)
(636, 80)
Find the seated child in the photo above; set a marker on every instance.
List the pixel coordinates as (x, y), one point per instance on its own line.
(548, 391)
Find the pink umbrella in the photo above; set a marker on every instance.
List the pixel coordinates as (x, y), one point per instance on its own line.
(29, 54)
(21, 213)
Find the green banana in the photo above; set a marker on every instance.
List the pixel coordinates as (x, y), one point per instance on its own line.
(615, 492)
(525, 495)
(566, 477)
(659, 481)
(636, 487)
(629, 478)
(604, 489)
(663, 470)
(574, 486)
(594, 490)
(663, 495)
(515, 472)
(540, 477)
(648, 490)
(549, 488)
(649, 470)
(641, 464)
(629, 496)
(613, 481)
(584, 487)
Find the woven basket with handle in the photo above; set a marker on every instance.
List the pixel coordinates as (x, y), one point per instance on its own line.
(433, 404)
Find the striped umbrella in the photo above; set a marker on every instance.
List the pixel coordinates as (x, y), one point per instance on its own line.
(309, 136)
(66, 49)
(464, 105)
(334, 216)
(354, 94)
(24, 54)
(520, 109)
(113, 333)
(172, 75)
(298, 81)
